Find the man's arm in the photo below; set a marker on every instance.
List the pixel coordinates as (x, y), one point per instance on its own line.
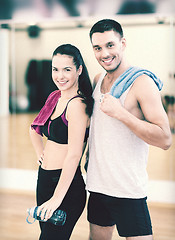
(155, 130)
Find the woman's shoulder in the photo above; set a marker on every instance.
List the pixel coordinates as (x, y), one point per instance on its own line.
(76, 101)
(54, 94)
(76, 106)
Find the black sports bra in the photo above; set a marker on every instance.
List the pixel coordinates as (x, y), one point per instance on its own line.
(56, 130)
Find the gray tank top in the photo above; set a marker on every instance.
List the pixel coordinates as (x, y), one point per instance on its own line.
(117, 157)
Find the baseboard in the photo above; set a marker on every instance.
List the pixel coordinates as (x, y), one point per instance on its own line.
(161, 191)
(25, 180)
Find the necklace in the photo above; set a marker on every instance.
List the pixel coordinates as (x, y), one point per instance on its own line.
(101, 97)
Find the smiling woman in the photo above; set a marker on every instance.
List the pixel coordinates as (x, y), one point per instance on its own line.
(64, 72)
(64, 120)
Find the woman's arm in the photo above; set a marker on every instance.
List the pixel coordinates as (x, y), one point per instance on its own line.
(77, 122)
(37, 142)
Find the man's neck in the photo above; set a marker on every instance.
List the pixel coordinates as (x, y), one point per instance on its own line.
(112, 76)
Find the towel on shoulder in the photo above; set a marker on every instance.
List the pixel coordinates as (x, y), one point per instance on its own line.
(46, 111)
(128, 77)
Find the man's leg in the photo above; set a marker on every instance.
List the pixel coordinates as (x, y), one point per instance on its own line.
(147, 237)
(105, 233)
(100, 233)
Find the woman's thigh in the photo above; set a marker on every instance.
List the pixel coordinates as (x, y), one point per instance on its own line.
(73, 204)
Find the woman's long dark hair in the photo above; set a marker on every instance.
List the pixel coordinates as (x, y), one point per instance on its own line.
(84, 83)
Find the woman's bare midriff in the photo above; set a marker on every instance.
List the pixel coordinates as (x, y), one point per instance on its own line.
(54, 155)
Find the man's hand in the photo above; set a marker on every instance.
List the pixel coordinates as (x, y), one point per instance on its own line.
(111, 106)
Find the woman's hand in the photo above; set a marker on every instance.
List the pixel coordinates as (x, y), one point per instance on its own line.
(48, 208)
(40, 160)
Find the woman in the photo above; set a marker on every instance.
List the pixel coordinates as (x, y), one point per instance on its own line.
(64, 120)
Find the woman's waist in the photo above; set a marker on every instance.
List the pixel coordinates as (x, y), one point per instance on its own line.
(53, 160)
(50, 164)
(54, 155)
(49, 176)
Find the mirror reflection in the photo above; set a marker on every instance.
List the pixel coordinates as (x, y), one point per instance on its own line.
(25, 83)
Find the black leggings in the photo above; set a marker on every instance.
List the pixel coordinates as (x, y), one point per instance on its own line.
(73, 203)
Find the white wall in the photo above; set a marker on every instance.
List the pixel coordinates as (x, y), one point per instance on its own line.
(149, 46)
(4, 72)
(43, 47)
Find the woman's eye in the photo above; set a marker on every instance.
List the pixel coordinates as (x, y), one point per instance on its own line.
(97, 49)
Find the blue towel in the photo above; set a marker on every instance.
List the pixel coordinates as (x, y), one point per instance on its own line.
(127, 78)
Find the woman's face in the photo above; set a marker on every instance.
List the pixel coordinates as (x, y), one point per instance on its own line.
(64, 72)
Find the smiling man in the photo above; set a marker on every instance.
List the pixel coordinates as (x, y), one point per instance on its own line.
(128, 116)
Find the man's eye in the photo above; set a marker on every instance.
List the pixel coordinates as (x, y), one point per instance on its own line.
(110, 45)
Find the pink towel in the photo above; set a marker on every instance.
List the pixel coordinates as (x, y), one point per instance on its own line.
(46, 111)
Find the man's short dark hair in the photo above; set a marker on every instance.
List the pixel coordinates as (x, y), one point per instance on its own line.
(106, 25)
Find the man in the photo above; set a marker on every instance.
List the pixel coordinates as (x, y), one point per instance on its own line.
(128, 116)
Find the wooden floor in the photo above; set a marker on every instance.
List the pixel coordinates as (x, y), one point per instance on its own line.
(16, 152)
(13, 225)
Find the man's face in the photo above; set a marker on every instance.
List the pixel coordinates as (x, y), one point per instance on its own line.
(108, 48)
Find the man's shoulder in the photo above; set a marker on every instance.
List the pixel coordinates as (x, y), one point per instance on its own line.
(96, 79)
(144, 86)
(143, 80)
